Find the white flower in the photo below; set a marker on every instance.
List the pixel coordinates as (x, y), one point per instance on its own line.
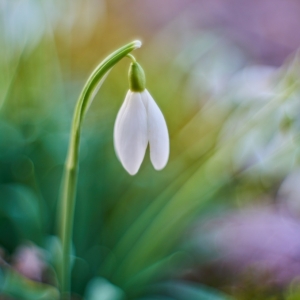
(140, 121)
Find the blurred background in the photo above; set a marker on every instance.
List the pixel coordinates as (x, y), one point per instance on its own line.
(222, 220)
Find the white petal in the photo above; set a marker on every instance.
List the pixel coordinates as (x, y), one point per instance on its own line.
(157, 133)
(117, 122)
(130, 132)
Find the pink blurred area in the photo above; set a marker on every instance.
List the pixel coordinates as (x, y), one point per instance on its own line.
(259, 243)
(266, 29)
(29, 261)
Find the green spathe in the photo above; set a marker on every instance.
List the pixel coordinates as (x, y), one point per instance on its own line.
(137, 79)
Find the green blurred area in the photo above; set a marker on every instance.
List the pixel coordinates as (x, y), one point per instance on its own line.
(130, 232)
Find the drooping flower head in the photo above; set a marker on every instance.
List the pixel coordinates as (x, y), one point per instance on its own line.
(138, 123)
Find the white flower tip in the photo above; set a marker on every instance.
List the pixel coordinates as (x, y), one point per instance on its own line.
(159, 167)
(131, 172)
(137, 44)
(132, 166)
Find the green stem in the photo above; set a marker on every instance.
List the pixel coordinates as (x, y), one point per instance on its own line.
(131, 57)
(69, 180)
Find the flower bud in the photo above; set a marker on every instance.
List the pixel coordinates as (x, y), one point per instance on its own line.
(137, 80)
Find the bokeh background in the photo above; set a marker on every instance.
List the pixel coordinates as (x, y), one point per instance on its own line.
(222, 220)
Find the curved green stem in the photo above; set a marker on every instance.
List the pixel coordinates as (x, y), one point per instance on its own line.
(131, 57)
(69, 180)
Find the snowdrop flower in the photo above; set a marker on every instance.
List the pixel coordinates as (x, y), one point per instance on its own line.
(138, 123)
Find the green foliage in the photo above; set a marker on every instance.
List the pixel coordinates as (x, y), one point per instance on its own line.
(24, 289)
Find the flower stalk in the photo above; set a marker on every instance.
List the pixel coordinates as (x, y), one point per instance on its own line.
(69, 180)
